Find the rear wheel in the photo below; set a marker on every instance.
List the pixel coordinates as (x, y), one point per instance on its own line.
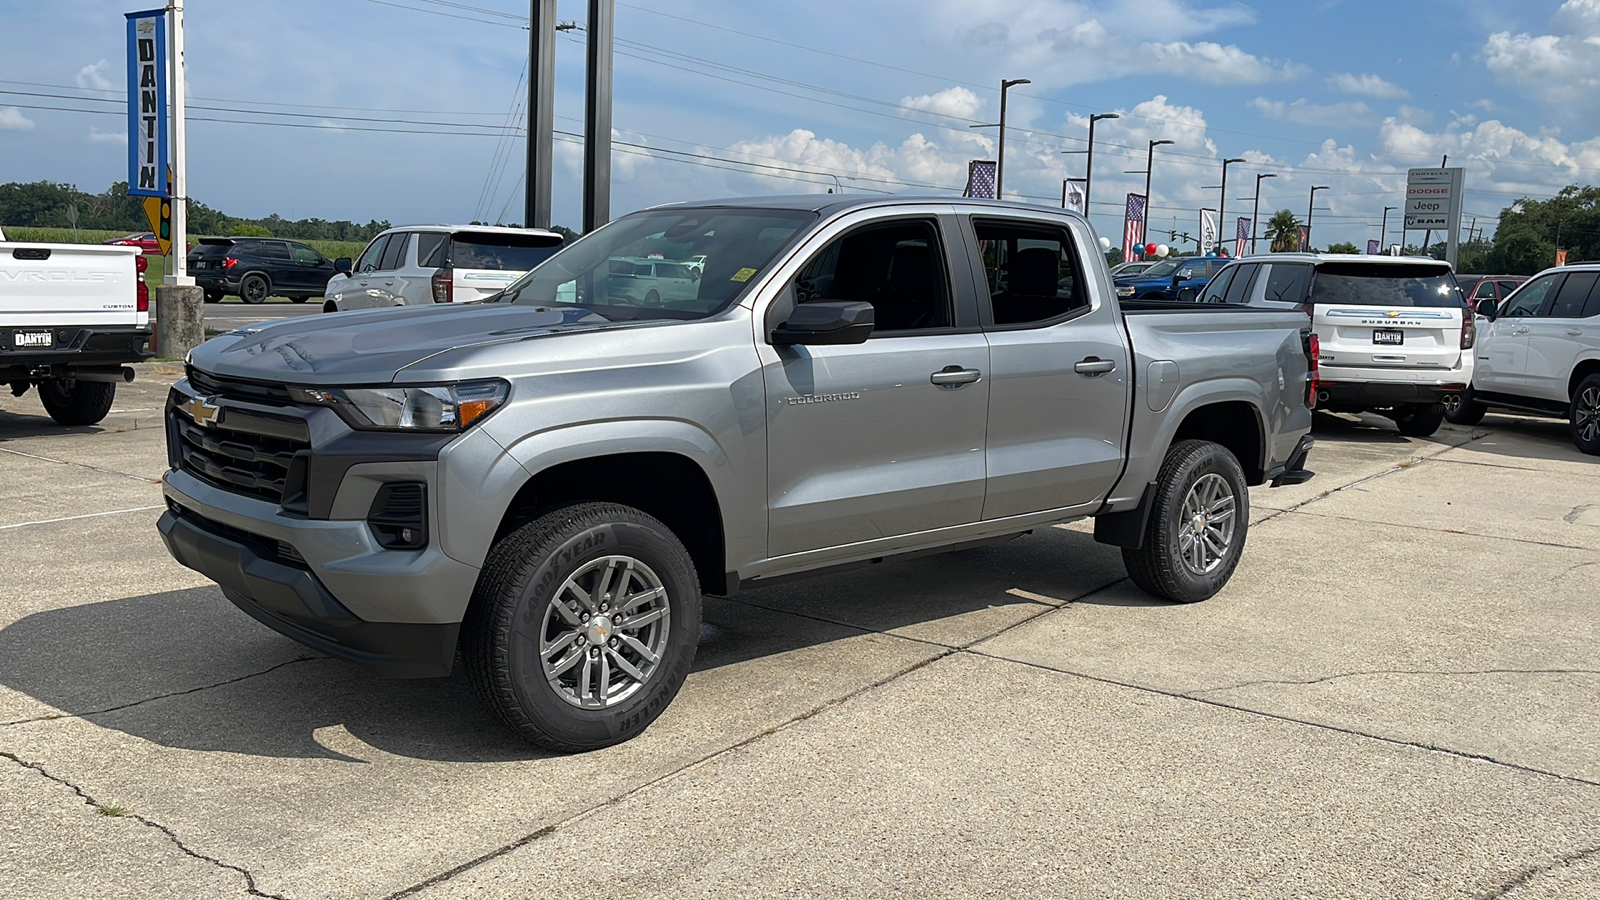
(77, 402)
(253, 289)
(1420, 419)
(583, 626)
(1584, 415)
(1463, 408)
(652, 297)
(1197, 528)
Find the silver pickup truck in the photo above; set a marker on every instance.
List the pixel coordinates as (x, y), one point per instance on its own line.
(547, 482)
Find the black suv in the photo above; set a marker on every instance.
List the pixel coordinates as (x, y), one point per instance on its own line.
(253, 269)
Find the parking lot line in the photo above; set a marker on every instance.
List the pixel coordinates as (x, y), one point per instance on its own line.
(114, 512)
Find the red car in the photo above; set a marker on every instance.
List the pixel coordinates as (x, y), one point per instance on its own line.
(144, 240)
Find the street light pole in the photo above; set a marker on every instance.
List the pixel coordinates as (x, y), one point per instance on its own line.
(1000, 164)
(1383, 230)
(1149, 165)
(1222, 201)
(1255, 212)
(1088, 166)
(1310, 205)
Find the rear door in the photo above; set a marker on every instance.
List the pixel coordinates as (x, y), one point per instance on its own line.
(1059, 373)
(1557, 335)
(485, 262)
(1403, 317)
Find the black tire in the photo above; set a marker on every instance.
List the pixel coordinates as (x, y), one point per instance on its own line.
(298, 299)
(1188, 295)
(1583, 414)
(513, 612)
(213, 297)
(253, 288)
(1420, 419)
(1463, 408)
(652, 297)
(1162, 567)
(77, 402)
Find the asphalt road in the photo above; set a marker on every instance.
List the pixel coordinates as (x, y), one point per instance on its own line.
(232, 312)
(1395, 697)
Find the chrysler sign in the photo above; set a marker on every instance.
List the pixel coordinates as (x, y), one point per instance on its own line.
(147, 103)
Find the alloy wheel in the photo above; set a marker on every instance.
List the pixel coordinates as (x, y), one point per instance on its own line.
(1205, 532)
(604, 632)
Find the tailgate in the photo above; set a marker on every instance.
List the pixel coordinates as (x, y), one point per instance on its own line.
(1374, 337)
(475, 284)
(71, 284)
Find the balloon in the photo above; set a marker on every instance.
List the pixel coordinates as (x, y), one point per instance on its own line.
(1105, 243)
(1150, 249)
(1162, 250)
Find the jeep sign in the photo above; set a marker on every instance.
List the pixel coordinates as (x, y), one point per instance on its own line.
(1433, 202)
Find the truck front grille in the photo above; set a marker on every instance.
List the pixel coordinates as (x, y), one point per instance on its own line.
(246, 453)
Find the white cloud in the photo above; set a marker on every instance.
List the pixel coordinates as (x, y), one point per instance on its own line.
(1304, 112)
(1367, 86)
(96, 136)
(958, 102)
(1215, 64)
(1561, 68)
(12, 119)
(93, 77)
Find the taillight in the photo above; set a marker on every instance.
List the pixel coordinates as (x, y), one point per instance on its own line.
(1314, 348)
(1469, 331)
(444, 285)
(229, 263)
(140, 264)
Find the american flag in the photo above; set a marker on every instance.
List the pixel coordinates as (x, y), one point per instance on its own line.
(1133, 229)
(1241, 236)
(980, 179)
(1305, 238)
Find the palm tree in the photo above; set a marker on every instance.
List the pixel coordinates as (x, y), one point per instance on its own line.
(1284, 231)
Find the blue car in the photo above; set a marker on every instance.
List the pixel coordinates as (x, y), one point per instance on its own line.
(1179, 278)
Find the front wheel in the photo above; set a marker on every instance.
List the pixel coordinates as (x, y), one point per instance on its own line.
(1463, 408)
(77, 402)
(652, 297)
(583, 626)
(1420, 419)
(1584, 415)
(1197, 527)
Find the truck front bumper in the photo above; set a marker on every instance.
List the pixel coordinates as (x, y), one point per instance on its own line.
(287, 597)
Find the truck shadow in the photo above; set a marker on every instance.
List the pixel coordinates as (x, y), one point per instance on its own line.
(186, 670)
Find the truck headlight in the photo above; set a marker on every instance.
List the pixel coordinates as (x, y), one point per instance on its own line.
(434, 407)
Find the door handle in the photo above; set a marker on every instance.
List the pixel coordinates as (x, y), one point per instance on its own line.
(1093, 366)
(954, 377)
(1519, 330)
(1574, 331)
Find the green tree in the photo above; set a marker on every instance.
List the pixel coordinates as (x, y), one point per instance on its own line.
(1283, 229)
(1343, 247)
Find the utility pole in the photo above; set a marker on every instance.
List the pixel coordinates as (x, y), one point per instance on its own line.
(1255, 212)
(1000, 164)
(1222, 202)
(597, 117)
(541, 111)
(1310, 205)
(1088, 166)
(1383, 230)
(180, 174)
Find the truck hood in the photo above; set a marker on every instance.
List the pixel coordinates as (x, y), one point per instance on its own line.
(372, 346)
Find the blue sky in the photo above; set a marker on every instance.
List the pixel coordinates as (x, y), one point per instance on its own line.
(725, 98)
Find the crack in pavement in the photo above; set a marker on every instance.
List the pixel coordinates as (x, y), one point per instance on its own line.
(52, 717)
(1358, 674)
(139, 478)
(105, 809)
(1489, 465)
(1410, 463)
(1429, 528)
(1527, 875)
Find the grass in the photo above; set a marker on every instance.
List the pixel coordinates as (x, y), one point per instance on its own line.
(110, 811)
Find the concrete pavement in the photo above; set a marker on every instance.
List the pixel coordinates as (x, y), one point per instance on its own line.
(1394, 697)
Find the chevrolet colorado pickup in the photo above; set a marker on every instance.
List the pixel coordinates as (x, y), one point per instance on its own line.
(546, 482)
(71, 316)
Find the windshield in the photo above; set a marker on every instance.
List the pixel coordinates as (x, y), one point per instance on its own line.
(641, 266)
(1165, 267)
(1382, 284)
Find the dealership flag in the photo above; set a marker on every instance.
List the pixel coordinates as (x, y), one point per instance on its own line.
(1208, 230)
(1133, 229)
(147, 103)
(1242, 235)
(1072, 191)
(1372, 248)
(980, 179)
(1305, 237)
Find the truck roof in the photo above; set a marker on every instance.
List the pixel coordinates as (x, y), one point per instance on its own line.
(833, 203)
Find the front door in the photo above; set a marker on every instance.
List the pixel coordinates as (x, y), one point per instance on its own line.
(1503, 359)
(1557, 335)
(1059, 379)
(886, 437)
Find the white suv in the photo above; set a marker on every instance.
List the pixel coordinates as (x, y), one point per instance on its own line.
(1394, 335)
(437, 264)
(1540, 354)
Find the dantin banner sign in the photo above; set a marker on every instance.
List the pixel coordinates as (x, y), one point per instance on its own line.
(147, 103)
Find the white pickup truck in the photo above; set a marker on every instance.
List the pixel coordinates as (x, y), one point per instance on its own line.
(71, 317)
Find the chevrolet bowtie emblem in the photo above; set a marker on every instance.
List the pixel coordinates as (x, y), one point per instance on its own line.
(1392, 315)
(201, 412)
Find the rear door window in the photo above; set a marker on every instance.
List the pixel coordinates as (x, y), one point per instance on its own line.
(1532, 297)
(273, 250)
(1384, 284)
(1574, 293)
(374, 252)
(392, 254)
(1032, 270)
(1238, 289)
(501, 252)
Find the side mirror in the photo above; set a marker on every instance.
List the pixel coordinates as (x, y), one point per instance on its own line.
(1487, 308)
(826, 322)
(1175, 279)
(342, 265)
